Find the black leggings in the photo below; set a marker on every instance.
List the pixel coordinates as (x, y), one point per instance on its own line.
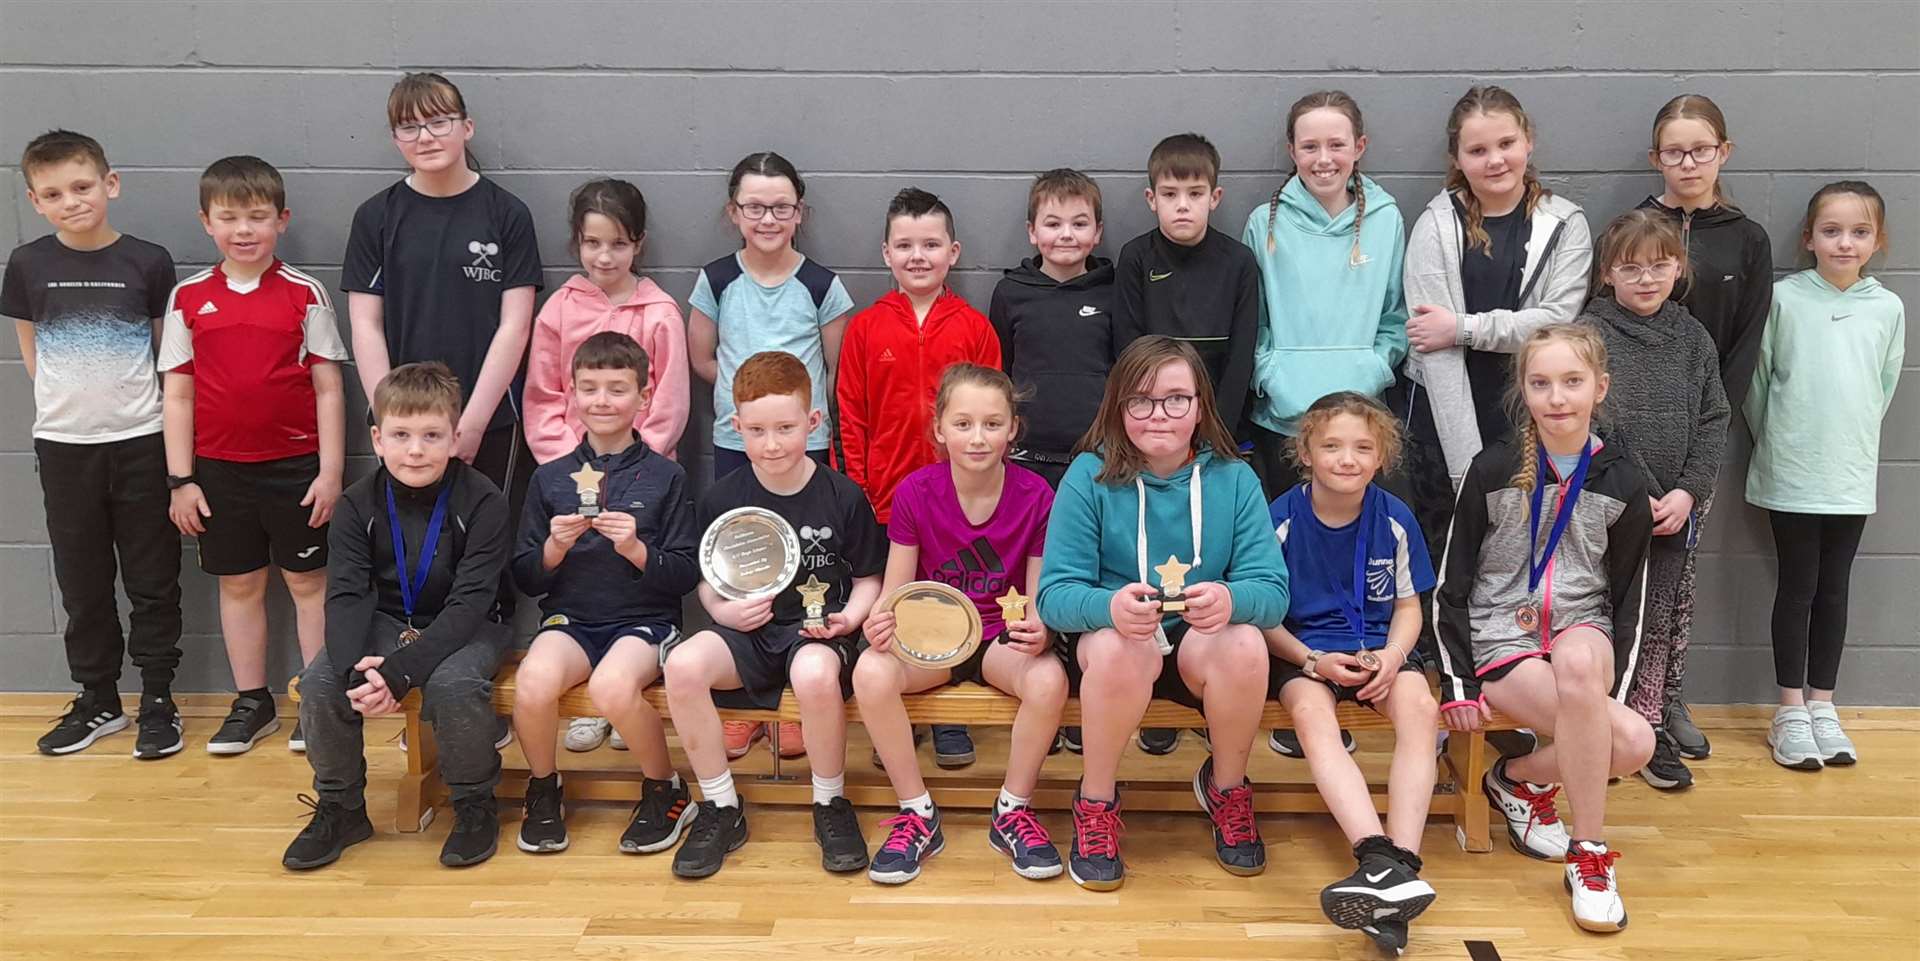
(1810, 603)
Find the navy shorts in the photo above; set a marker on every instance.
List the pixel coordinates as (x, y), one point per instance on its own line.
(1279, 672)
(764, 661)
(597, 639)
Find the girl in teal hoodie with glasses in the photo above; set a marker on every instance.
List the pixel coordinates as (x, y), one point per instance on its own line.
(1157, 477)
(1332, 315)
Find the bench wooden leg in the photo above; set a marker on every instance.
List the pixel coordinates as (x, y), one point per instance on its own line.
(1467, 755)
(420, 788)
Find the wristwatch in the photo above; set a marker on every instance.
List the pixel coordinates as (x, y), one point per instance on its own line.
(175, 482)
(1313, 657)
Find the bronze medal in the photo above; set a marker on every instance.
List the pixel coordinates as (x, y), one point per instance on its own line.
(1369, 660)
(409, 635)
(1528, 617)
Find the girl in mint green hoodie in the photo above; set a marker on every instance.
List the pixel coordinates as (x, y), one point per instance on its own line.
(1332, 316)
(1157, 477)
(1829, 360)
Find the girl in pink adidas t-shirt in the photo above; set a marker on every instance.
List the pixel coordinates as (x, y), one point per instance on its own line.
(976, 523)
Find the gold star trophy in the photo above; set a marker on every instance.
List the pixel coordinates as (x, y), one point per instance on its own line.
(1013, 607)
(586, 481)
(1173, 585)
(813, 594)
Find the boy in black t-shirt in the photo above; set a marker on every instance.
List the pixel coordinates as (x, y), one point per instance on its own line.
(86, 302)
(416, 551)
(756, 647)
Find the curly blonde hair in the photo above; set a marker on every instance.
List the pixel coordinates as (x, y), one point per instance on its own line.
(1380, 423)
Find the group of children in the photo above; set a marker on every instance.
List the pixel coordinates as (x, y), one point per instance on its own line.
(1231, 406)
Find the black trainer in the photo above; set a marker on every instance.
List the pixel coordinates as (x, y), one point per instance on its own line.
(663, 813)
(475, 835)
(543, 828)
(1159, 741)
(1665, 771)
(952, 746)
(1069, 738)
(1389, 936)
(842, 848)
(334, 828)
(714, 833)
(1518, 743)
(1688, 740)
(1385, 887)
(1287, 744)
(248, 721)
(297, 741)
(1236, 831)
(89, 717)
(160, 730)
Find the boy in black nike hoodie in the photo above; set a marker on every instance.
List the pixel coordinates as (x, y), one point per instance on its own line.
(417, 550)
(1188, 281)
(1054, 315)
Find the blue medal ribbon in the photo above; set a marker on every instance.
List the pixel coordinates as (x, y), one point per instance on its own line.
(1355, 601)
(1537, 564)
(412, 582)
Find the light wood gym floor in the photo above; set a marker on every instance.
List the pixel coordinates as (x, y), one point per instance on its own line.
(105, 857)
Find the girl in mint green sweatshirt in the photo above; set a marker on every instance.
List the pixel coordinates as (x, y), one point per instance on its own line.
(1332, 316)
(1829, 361)
(1157, 477)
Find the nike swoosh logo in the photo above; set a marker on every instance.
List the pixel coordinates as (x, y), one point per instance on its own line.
(1840, 317)
(1089, 310)
(1375, 878)
(308, 552)
(1154, 276)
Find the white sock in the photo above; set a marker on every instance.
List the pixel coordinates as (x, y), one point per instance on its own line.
(674, 779)
(719, 789)
(1007, 802)
(825, 789)
(922, 805)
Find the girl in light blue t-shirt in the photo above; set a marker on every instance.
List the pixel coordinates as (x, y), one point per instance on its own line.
(765, 296)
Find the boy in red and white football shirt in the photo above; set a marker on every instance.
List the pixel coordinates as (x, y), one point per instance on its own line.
(255, 429)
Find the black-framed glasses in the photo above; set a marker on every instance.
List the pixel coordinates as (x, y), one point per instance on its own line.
(1636, 273)
(438, 126)
(1140, 406)
(1675, 156)
(780, 211)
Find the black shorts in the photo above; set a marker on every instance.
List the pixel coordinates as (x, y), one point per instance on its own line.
(257, 518)
(764, 661)
(1499, 671)
(1279, 672)
(597, 639)
(1169, 686)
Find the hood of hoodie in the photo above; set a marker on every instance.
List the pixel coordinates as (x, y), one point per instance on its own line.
(580, 292)
(1029, 274)
(1303, 211)
(1664, 327)
(1556, 206)
(1717, 216)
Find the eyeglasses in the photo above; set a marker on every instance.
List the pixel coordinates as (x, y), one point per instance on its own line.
(1674, 156)
(438, 126)
(780, 211)
(1636, 273)
(1140, 406)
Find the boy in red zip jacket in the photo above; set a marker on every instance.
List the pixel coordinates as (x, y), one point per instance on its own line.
(894, 352)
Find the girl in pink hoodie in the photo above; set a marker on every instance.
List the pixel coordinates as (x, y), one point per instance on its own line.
(608, 229)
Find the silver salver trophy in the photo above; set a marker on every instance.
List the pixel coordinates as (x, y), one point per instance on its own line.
(749, 553)
(934, 626)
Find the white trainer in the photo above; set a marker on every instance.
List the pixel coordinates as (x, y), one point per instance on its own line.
(616, 742)
(1533, 825)
(1791, 738)
(1831, 739)
(587, 733)
(1595, 890)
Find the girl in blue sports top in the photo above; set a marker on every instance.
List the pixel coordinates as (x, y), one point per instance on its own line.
(1356, 565)
(765, 296)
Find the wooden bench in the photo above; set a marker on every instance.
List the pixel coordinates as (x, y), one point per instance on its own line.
(1457, 792)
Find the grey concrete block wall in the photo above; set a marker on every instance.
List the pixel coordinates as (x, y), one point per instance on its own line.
(967, 100)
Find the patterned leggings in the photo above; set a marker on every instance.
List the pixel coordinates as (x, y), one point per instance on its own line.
(1667, 623)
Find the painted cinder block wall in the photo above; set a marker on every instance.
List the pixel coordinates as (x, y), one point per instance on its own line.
(967, 100)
